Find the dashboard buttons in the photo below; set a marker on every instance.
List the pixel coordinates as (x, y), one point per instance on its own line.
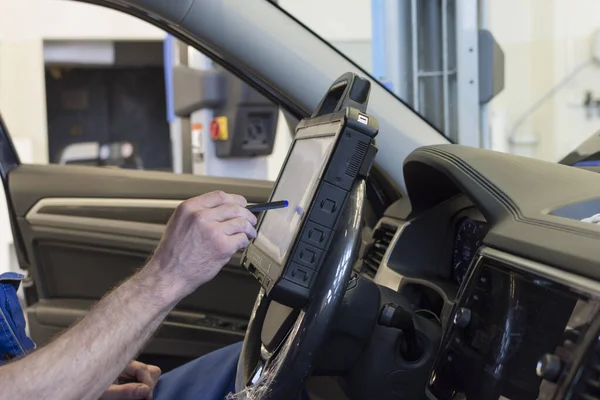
(462, 318)
(549, 367)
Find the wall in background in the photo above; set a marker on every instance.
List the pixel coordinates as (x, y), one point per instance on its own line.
(577, 23)
(58, 19)
(22, 93)
(25, 24)
(344, 23)
(334, 19)
(544, 42)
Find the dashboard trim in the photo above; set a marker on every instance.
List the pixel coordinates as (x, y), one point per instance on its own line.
(385, 275)
(516, 204)
(389, 278)
(577, 282)
(394, 280)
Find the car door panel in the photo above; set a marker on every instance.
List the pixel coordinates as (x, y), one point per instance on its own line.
(31, 183)
(182, 335)
(88, 272)
(86, 229)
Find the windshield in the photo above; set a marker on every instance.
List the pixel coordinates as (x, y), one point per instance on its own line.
(513, 76)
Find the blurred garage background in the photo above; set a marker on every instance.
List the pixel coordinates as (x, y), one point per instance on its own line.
(86, 85)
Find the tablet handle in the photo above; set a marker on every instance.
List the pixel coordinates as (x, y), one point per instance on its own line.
(349, 90)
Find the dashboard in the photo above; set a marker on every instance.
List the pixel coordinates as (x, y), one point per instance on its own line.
(507, 267)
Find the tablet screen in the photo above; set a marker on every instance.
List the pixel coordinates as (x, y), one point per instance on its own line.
(296, 185)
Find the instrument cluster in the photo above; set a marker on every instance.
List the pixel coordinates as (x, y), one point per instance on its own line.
(467, 240)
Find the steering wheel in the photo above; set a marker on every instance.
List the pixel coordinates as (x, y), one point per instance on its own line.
(282, 344)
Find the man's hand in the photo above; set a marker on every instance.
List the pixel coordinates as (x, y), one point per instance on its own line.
(202, 235)
(137, 381)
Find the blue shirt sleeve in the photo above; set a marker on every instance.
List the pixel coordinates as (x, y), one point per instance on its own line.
(14, 341)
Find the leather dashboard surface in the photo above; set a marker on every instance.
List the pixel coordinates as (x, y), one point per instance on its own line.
(517, 196)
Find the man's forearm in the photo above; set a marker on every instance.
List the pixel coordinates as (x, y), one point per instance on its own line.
(83, 362)
(200, 238)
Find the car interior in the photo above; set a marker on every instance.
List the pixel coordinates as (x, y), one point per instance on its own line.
(413, 269)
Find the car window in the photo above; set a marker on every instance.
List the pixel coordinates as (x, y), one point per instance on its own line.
(146, 111)
(512, 76)
(94, 90)
(358, 32)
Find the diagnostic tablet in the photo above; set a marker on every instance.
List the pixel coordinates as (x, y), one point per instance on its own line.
(329, 153)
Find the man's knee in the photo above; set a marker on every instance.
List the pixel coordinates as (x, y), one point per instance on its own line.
(209, 377)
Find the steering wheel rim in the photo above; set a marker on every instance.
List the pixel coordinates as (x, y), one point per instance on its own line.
(286, 369)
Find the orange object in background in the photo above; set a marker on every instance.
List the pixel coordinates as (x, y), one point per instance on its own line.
(218, 128)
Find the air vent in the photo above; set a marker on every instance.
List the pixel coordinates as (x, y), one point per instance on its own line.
(588, 386)
(382, 237)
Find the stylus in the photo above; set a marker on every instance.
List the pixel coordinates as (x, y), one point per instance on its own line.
(267, 206)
